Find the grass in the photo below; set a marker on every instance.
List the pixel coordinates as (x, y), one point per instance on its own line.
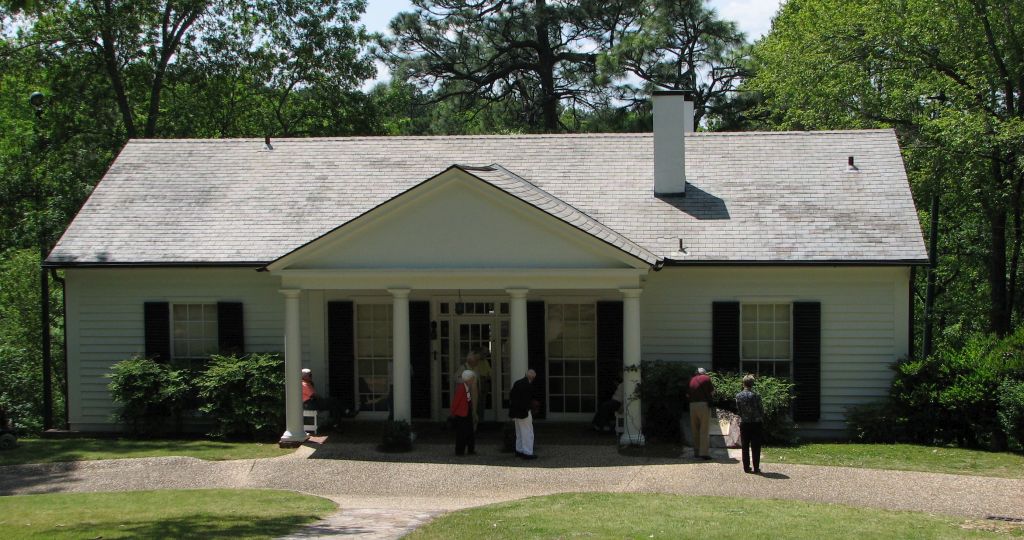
(634, 515)
(215, 513)
(905, 457)
(53, 450)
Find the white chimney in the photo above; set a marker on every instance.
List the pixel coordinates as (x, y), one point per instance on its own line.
(673, 117)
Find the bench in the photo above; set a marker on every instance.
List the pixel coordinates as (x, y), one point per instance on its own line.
(309, 421)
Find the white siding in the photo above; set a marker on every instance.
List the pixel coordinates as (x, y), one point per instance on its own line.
(105, 322)
(864, 326)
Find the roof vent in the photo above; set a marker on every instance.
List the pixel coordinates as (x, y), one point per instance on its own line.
(673, 118)
(849, 164)
(266, 143)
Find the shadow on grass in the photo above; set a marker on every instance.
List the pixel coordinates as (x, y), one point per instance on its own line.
(196, 526)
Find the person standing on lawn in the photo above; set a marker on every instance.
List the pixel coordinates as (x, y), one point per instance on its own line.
(462, 413)
(699, 394)
(748, 406)
(519, 409)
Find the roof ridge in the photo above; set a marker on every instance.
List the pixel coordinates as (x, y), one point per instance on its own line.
(511, 136)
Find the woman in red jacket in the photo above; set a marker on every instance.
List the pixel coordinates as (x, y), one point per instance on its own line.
(462, 406)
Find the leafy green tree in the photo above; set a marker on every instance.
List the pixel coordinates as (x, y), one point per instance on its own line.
(678, 45)
(875, 63)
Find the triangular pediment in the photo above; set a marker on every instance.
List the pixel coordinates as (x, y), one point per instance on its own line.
(469, 218)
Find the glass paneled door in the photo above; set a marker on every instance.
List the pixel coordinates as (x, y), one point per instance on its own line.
(476, 325)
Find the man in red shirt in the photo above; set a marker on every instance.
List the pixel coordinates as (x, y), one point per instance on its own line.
(699, 394)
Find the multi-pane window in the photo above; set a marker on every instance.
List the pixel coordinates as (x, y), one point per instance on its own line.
(194, 331)
(765, 336)
(572, 358)
(373, 355)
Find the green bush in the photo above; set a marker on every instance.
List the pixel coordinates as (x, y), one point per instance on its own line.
(877, 422)
(953, 395)
(662, 392)
(149, 396)
(1011, 411)
(776, 398)
(244, 395)
(397, 436)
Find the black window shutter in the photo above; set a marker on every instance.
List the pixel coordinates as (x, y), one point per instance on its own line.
(725, 337)
(419, 356)
(341, 354)
(230, 328)
(609, 348)
(807, 360)
(157, 327)
(536, 326)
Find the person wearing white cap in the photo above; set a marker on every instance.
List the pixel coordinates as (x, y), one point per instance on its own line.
(308, 389)
(462, 415)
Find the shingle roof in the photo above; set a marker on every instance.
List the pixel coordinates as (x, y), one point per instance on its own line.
(752, 197)
(510, 183)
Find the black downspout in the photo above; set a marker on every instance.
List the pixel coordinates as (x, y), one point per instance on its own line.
(64, 385)
(910, 316)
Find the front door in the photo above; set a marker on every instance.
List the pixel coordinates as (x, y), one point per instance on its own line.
(475, 326)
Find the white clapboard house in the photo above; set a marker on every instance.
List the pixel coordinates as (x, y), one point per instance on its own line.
(380, 261)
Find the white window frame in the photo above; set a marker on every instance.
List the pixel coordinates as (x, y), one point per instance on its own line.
(573, 301)
(360, 355)
(189, 360)
(757, 302)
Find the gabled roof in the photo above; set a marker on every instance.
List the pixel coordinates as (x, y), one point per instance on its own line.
(512, 185)
(761, 198)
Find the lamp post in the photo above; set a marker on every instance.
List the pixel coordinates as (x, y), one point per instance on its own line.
(37, 100)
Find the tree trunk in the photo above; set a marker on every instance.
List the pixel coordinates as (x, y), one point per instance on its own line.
(999, 313)
(546, 57)
(110, 63)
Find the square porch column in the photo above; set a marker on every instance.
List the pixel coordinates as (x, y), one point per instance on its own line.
(294, 434)
(401, 390)
(519, 357)
(631, 351)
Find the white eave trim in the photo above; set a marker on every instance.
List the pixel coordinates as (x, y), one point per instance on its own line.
(461, 278)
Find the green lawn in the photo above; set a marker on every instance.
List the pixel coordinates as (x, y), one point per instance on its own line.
(51, 450)
(214, 513)
(905, 457)
(644, 516)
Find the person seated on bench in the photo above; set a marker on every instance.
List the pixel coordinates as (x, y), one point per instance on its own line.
(605, 416)
(311, 401)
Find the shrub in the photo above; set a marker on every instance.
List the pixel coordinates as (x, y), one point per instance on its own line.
(1011, 411)
(952, 396)
(397, 436)
(776, 398)
(244, 395)
(662, 392)
(876, 422)
(149, 395)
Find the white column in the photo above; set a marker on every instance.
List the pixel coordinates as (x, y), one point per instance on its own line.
(400, 375)
(631, 351)
(519, 359)
(294, 434)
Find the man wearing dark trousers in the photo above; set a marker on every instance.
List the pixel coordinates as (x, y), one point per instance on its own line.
(748, 406)
(520, 402)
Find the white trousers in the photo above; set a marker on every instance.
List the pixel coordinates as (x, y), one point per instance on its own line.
(524, 434)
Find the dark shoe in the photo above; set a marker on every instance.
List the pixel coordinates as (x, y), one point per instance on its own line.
(529, 456)
(519, 454)
(748, 471)
(757, 471)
